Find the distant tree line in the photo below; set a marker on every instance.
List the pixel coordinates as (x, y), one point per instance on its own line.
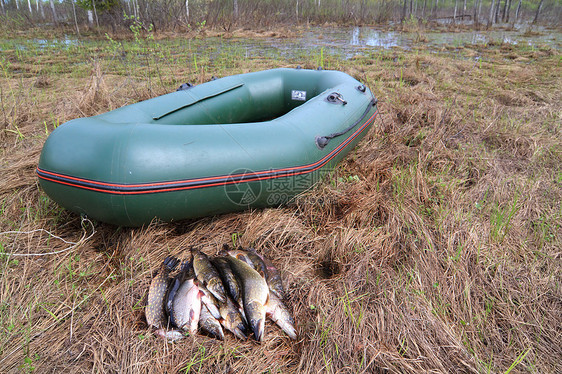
(172, 14)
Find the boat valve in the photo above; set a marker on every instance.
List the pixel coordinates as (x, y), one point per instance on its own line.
(334, 97)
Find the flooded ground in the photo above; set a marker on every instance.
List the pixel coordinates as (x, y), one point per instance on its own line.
(344, 42)
(355, 40)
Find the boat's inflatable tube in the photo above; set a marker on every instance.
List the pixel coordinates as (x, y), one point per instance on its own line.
(250, 140)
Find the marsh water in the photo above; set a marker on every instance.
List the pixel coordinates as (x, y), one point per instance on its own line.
(354, 40)
(345, 42)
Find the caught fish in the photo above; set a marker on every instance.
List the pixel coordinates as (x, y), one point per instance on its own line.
(279, 313)
(255, 294)
(210, 324)
(209, 300)
(187, 306)
(272, 276)
(252, 258)
(228, 278)
(208, 275)
(155, 315)
(186, 271)
(263, 266)
(232, 319)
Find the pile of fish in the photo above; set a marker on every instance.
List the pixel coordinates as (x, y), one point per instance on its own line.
(234, 291)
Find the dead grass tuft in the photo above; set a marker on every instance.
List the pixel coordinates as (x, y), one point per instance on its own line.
(96, 93)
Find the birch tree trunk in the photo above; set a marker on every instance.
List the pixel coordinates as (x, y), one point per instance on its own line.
(29, 5)
(475, 15)
(479, 8)
(508, 11)
(236, 9)
(455, 12)
(517, 10)
(96, 13)
(538, 12)
(491, 15)
(187, 11)
(40, 7)
(504, 10)
(54, 12)
(75, 19)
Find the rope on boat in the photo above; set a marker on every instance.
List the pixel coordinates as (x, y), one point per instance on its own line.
(322, 141)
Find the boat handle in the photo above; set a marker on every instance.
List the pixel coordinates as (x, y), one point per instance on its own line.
(322, 141)
(185, 86)
(334, 97)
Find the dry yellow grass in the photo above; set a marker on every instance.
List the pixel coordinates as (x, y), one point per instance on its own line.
(434, 247)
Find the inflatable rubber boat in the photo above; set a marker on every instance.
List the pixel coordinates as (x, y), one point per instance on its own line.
(245, 141)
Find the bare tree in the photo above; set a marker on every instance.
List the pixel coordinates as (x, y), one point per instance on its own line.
(54, 12)
(518, 10)
(95, 13)
(75, 19)
(497, 12)
(455, 12)
(476, 14)
(538, 12)
(491, 16)
(435, 5)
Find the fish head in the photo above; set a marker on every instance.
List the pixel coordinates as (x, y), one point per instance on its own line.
(241, 255)
(170, 263)
(170, 335)
(255, 313)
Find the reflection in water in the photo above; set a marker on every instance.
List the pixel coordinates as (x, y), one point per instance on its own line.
(374, 38)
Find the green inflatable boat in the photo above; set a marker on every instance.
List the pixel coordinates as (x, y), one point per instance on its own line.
(245, 141)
